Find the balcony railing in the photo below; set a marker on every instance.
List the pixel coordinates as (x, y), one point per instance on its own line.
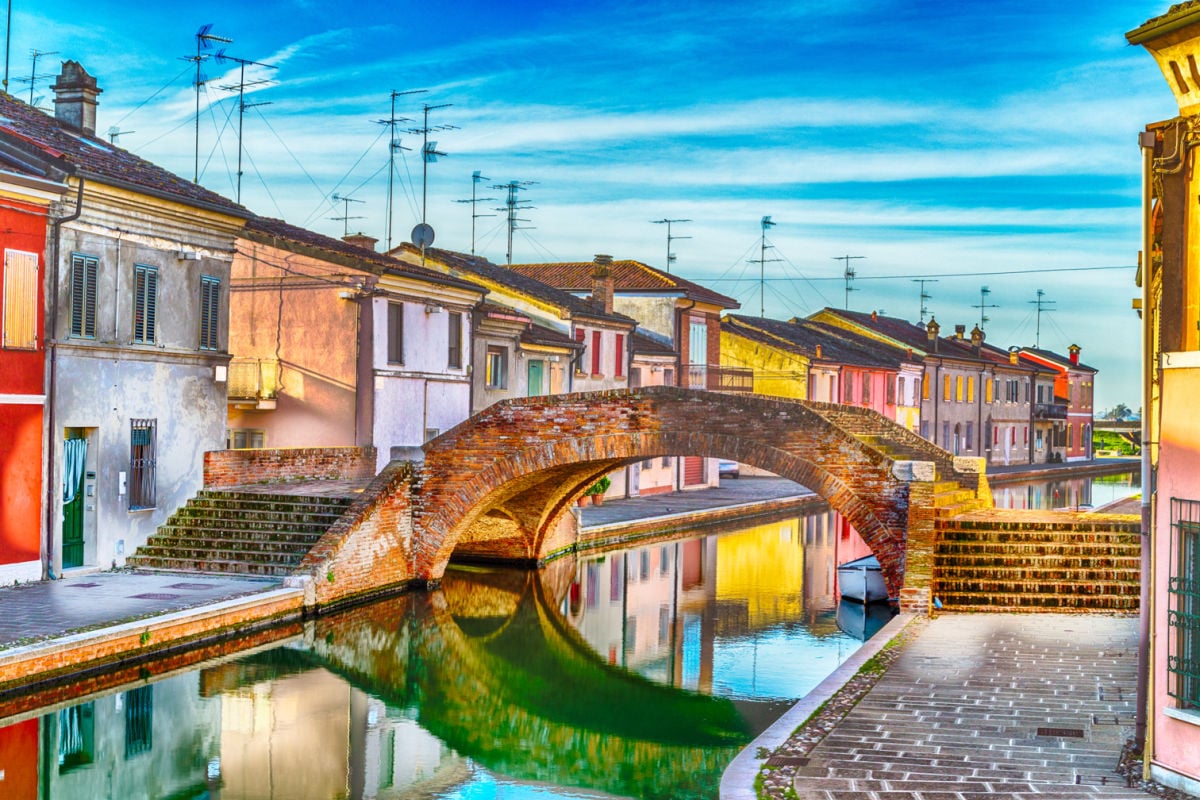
(717, 379)
(1049, 411)
(253, 379)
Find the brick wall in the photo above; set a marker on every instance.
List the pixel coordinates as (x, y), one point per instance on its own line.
(226, 468)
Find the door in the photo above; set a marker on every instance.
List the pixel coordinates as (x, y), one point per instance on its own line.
(536, 370)
(693, 471)
(74, 455)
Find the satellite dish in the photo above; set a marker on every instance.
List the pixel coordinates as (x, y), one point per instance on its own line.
(422, 235)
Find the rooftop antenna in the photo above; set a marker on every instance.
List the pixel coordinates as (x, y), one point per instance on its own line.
(345, 218)
(33, 73)
(240, 88)
(475, 180)
(762, 262)
(984, 305)
(670, 238)
(924, 295)
(393, 146)
(204, 40)
(115, 133)
(511, 206)
(7, 44)
(848, 276)
(429, 151)
(1041, 306)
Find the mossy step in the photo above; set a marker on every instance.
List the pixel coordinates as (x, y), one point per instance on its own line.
(185, 535)
(234, 543)
(1035, 604)
(1018, 587)
(265, 515)
(230, 567)
(1041, 523)
(1034, 561)
(998, 552)
(1044, 536)
(230, 521)
(1041, 574)
(262, 497)
(999, 600)
(300, 505)
(278, 557)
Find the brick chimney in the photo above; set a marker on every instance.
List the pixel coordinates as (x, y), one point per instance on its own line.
(361, 239)
(960, 331)
(602, 283)
(977, 339)
(75, 95)
(1073, 352)
(1014, 355)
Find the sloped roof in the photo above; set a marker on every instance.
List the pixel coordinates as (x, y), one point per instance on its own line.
(278, 233)
(1177, 16)
(649, 346)
(547, 337)
(915, 336)
(627, 275)
(804, 336)
(1057, 358)
(37, 142)
(531, 287)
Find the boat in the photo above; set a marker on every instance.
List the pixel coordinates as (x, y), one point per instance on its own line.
(861, 580)
(863, 621)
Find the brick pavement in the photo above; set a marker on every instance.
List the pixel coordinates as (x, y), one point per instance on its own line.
(957, 716)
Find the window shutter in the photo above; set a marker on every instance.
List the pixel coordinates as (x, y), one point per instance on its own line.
(20, 300)
(145, 303)
(618, 358)
(210, 307)
(83, 296)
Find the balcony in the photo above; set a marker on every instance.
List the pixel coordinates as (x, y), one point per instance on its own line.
(736, 380)
(253, 383)
(1049, 411)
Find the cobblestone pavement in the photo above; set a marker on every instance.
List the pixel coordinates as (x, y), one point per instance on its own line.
(986, 705)
(34, 611)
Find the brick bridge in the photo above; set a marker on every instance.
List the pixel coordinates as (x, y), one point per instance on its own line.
(499, 485)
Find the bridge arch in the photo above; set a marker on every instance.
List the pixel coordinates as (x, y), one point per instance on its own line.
(500, 483)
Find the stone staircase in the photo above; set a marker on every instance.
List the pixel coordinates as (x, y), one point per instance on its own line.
(1054, 561)
(240, 532)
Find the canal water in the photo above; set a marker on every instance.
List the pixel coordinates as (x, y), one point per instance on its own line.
(1067, 493)
(638, 673)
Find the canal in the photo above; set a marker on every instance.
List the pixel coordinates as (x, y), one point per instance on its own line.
(638, 672)
(1094, 491)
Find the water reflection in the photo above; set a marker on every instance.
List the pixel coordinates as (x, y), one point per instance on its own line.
(1067, 493)
(633, 673)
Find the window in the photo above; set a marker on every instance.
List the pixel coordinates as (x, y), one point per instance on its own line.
(83, 296)
(20, 300)
(1026, 430)
(866, 389)
(635, 377)
(848, 388)
(925, 387)
(971, 389)
(891, 390)
(454, 351)
(970, 436)
(246, 439)
(596, 353)
(581, 338)
(210, 307)
(668, 377)
(145, 303)
(1183, 604)
(619, 356)
(395, 333)
(946, 388)
(1070, 435)
(143, 433)
(666, 461)
(925, 429)
(139, 720)
(497, 368)
(989, 390)
(945, 434)
(958, 388)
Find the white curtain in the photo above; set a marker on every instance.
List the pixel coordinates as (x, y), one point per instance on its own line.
(74, 456)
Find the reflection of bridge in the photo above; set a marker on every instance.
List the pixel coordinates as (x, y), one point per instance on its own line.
(495, 673)
(499, 485)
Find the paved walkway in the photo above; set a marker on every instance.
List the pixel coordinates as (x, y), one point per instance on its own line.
(988, 705)
(731, 492)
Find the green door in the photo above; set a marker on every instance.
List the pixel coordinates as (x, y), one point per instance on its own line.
(535, 379)
(72, 530)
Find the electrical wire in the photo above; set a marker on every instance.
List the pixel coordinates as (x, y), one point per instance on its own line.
(166, 86)
(320, 206)
(1035, 271)
(270, 127)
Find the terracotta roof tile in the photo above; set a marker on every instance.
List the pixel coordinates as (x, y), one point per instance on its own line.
(628, 276)
(803, 337)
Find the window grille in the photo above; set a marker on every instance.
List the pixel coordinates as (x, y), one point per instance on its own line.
(20, 300)
(1183, 609)
(210, 307)
(139, 719)
(145, 303)
(83, 296)
(143, 433)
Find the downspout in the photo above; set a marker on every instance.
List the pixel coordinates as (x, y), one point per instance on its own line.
(1029, 437)
(679, 312)
(1143, 734)
(979, 415)
(936, 391)
(52, 378)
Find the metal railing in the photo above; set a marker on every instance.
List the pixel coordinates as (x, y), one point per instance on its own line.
(1049, 411)
(717, 379)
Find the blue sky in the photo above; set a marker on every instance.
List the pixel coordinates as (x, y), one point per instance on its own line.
(981, 144)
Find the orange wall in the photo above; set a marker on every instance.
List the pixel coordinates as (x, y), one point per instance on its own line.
(19, 761)
(20, 484)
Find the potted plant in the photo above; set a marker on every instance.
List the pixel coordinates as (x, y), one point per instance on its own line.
(596, 490)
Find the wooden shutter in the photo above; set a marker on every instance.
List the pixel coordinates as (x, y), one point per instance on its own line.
(145, 303)
(83, 296)
(20, 300)
(210, 307)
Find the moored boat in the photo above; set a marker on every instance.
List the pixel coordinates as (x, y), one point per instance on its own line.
(861, 580)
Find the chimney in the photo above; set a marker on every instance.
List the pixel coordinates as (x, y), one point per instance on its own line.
(602, 283)
(960, 331)
(75, 98)
(977, 338)
(874, 316)
(1014, 355)
(931, 331)
(1073, 350)
(361, 239)
(818, 351)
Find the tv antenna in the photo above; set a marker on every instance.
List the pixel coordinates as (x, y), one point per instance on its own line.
(204, 40)
(513, 205)
(240, 88)
(345, 218)
(429, 151)
(848, 276)
(1041, 306)
(984, 305)
(33, 73)
(475, 180)
(924, 295)
(7, 43)
(393, 146)
(670, 238)
(115, 133)
(762, 262)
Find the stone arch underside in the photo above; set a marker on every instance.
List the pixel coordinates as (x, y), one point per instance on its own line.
(507, 476)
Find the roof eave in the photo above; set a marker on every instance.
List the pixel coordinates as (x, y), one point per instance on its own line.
(1161, 26)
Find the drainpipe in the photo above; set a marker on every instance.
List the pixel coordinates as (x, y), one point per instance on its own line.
(979, 416)
(935, 393)
(1029, 437)
(1143, 735)
(679, 312)
(52, 378)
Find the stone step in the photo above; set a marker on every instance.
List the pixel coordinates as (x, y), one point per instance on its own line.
(284, 557)
(183, 535)
(324, 517)
(1047, 522)
(230, 543)
(1033, 548)
(1033, 536)
(1075, 589)
(231, 521)
(1042, 574)
(1069, 560)
(1034, 601)
(273, 503)
(185, 565)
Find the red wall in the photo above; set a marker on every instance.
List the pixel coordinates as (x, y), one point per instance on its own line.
(20, 483)
(19, 761)
(21, 370)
